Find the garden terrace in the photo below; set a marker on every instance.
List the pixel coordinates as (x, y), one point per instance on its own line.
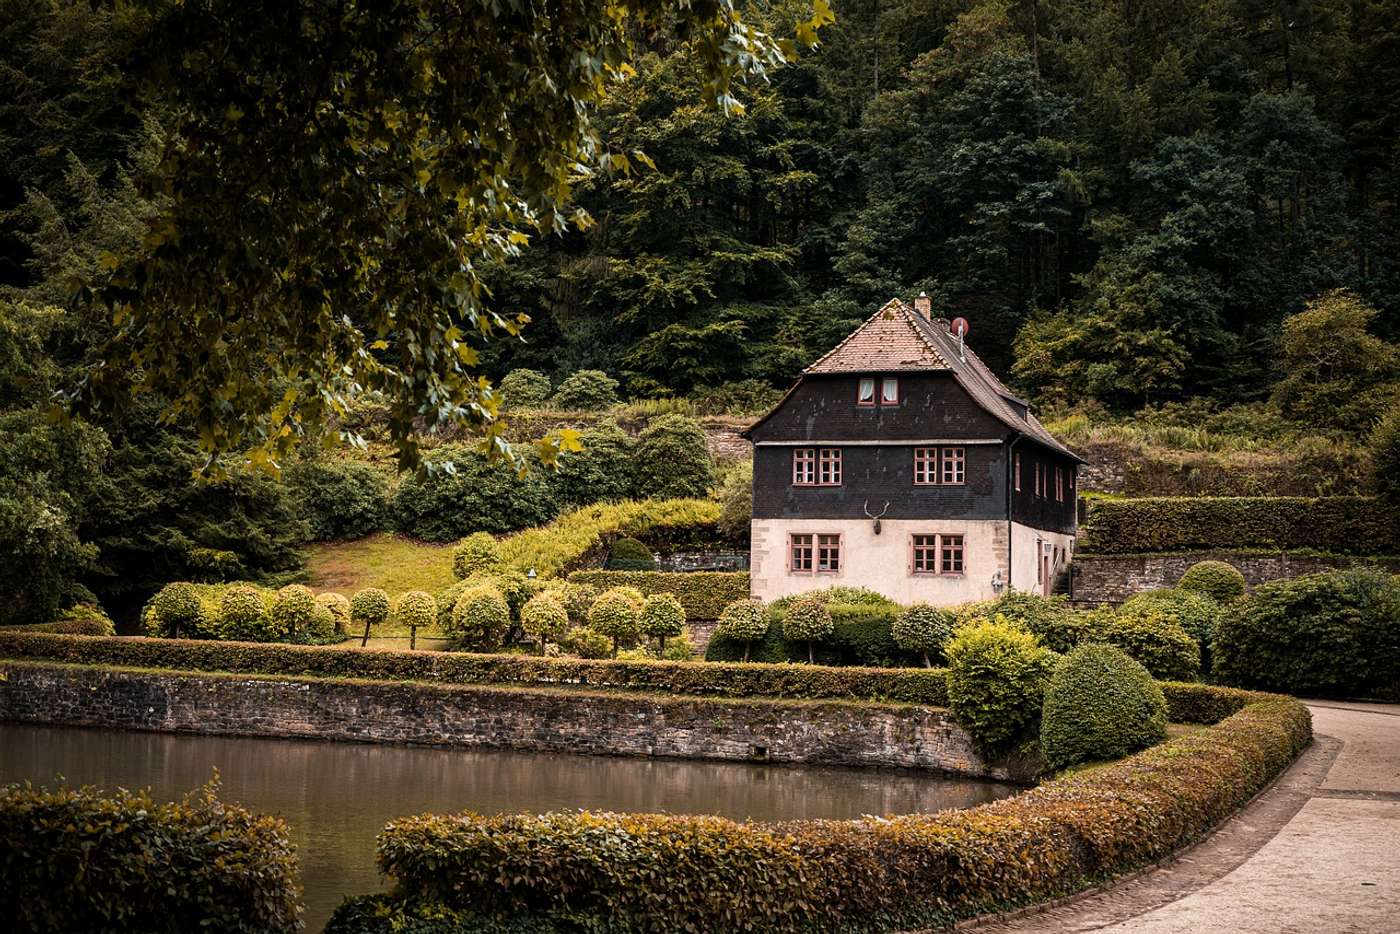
(874, 874)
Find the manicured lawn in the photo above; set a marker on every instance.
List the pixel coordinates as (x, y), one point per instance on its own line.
(384, 560)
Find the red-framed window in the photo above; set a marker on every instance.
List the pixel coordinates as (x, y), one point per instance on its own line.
(818, 552)
(1059, 484)
(889, 391)
(888, 387)
(936, 553)
(954, 466)
(865, 391)
(1017, 471)
(816, 466)
(925, 466)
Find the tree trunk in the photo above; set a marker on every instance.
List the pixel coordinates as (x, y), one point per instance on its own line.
(811, 655)
(663, 646)
(365, 641)
(926, 661)
(746, 651)
(412, 636)
(614, 654)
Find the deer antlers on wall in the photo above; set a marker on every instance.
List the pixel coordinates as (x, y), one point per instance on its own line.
(869, 515)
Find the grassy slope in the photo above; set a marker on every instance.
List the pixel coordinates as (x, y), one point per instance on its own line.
(388, 561)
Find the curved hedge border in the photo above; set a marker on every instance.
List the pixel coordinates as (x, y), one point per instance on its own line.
(703, 594)
(861, 875)
(82, 860)
(914, 685)
(1340, 524)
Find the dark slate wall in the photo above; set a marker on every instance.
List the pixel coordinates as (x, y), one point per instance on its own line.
(931, 405)
(877, 474)
(1043, 512)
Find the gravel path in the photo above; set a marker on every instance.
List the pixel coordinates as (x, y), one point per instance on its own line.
(1318, 853)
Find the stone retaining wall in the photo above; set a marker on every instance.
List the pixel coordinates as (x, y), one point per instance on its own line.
(1115, 578)
(814, 732)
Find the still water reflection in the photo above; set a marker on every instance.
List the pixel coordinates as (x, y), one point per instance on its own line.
(337, 796)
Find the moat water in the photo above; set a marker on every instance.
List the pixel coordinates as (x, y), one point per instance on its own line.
(336, 797)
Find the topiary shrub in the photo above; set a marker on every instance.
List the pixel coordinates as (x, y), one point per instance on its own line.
(679, 649)
(1385, 460)
(442, 505)
(370, 607)
(323, 626)
(1049, 619)
(663, 618)
(340, 498)
(628, 554)
(338, 605)
(924, 630)
(1192, 610)
(808, 621)
(480, 619)
(617, 615)
(1100, 704)
(586, 643)
(672, 459)
(512, 585)
(996, 681)
(601, 472)
(177, 611)
(82, 619)
(544, 619)
(1335, 634)
(243, 616)
(577, 599)
(1218, 580)
(743, 621)
(477, 553)
(524, 389)
(587, 390)
(1155, 639)
(292, 609)
(416, 609)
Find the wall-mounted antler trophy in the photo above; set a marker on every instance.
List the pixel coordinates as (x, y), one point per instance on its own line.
(868, 514)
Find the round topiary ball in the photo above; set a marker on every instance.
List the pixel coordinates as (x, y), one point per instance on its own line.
(578, 600)
(177, 611)
(586, 643)
(808, 621)
(369, 606)
(617, 614)
(1156, 640)
(478, 553)
(339, 607)
(1216, 579)
(1193, 611)
(480, 619)
(996, 680)
(544, 618)
(663, 617)
(587, 390)
(1100, 704)
(416, 609)
(525, 389)
(672, 459)
(923, 629)
(743, 621)
(628, 554)
(243, 616)
(322, 625)
(292, 608)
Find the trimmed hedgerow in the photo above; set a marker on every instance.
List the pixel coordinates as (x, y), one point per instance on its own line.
(84, 860)
(1100, 704)
(704, 594)
(1341, 524)
(1219, 580)
(996, 681)
(913, 871)
(908, 685)
(1336, 633)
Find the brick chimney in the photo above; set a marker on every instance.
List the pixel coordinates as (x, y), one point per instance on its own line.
(924, 305)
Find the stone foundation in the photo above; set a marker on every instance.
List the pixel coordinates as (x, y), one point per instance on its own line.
(815, 732)
(1115, 578)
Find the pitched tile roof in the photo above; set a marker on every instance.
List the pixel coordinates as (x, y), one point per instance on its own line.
(899, 339)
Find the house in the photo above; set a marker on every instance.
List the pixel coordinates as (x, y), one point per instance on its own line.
(899, 462)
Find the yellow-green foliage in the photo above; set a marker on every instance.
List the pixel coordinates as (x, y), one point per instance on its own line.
(577, 598)
(571, 540)
(1219, 580)
(83, 619)
(480, 618)
(293, 608)
(808, 621)
(339, 607)
(544, 618)
(416, 608)
(704, 594)
(586, 643)
(617, 614)
(663, 617)
(1100, 704)
(244, 615)
(178, 610)
(370, 605)
(475, 554)
(1154, 638)
(743, 621)
(1194, 611)
(996, 680)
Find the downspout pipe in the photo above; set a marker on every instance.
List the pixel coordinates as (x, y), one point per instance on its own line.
(1010, 489)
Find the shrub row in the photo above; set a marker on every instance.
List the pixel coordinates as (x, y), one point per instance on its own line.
(1341, 524)
(81, 860)
(921, 685)
(703, 594)
(859, 875)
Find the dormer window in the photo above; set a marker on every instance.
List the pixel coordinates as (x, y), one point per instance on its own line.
(889, 391)
(866, 396)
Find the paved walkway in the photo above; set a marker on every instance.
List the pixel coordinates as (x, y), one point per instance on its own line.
(1319, 853)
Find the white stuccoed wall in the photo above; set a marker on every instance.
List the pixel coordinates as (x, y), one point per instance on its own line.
(882, 562)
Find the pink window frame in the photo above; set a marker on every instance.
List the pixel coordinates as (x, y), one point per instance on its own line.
(815, 547)
(874, 392)
(806, 458)
(929, 459)
(937, 549)
(829, 461)
(956, 457)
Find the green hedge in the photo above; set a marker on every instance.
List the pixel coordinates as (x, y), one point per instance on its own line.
(703, 594)
(1340, 524)
(861, 635)
(859, 875)
(82, 860)
(913, 685)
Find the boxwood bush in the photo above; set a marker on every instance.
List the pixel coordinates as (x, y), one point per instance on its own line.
(1336, 634)
(1049, 619)
(743, 621)
(544, 619)
(1219, 580)
(1100, 704)
(84, 860)
(893, 873)
(524, 389)
(587, 390)
(601, 472)
(340, 498)
(996, 681)
(480, 619)
(808, 621)
(178, 610)
(628, 554)
(703, 594)
(441, 505)
(672, 459)
(478, 553)
(243, 616)
(1193, 611)
(1153, 638)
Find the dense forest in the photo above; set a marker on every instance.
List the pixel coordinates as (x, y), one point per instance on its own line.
(1127, 201)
